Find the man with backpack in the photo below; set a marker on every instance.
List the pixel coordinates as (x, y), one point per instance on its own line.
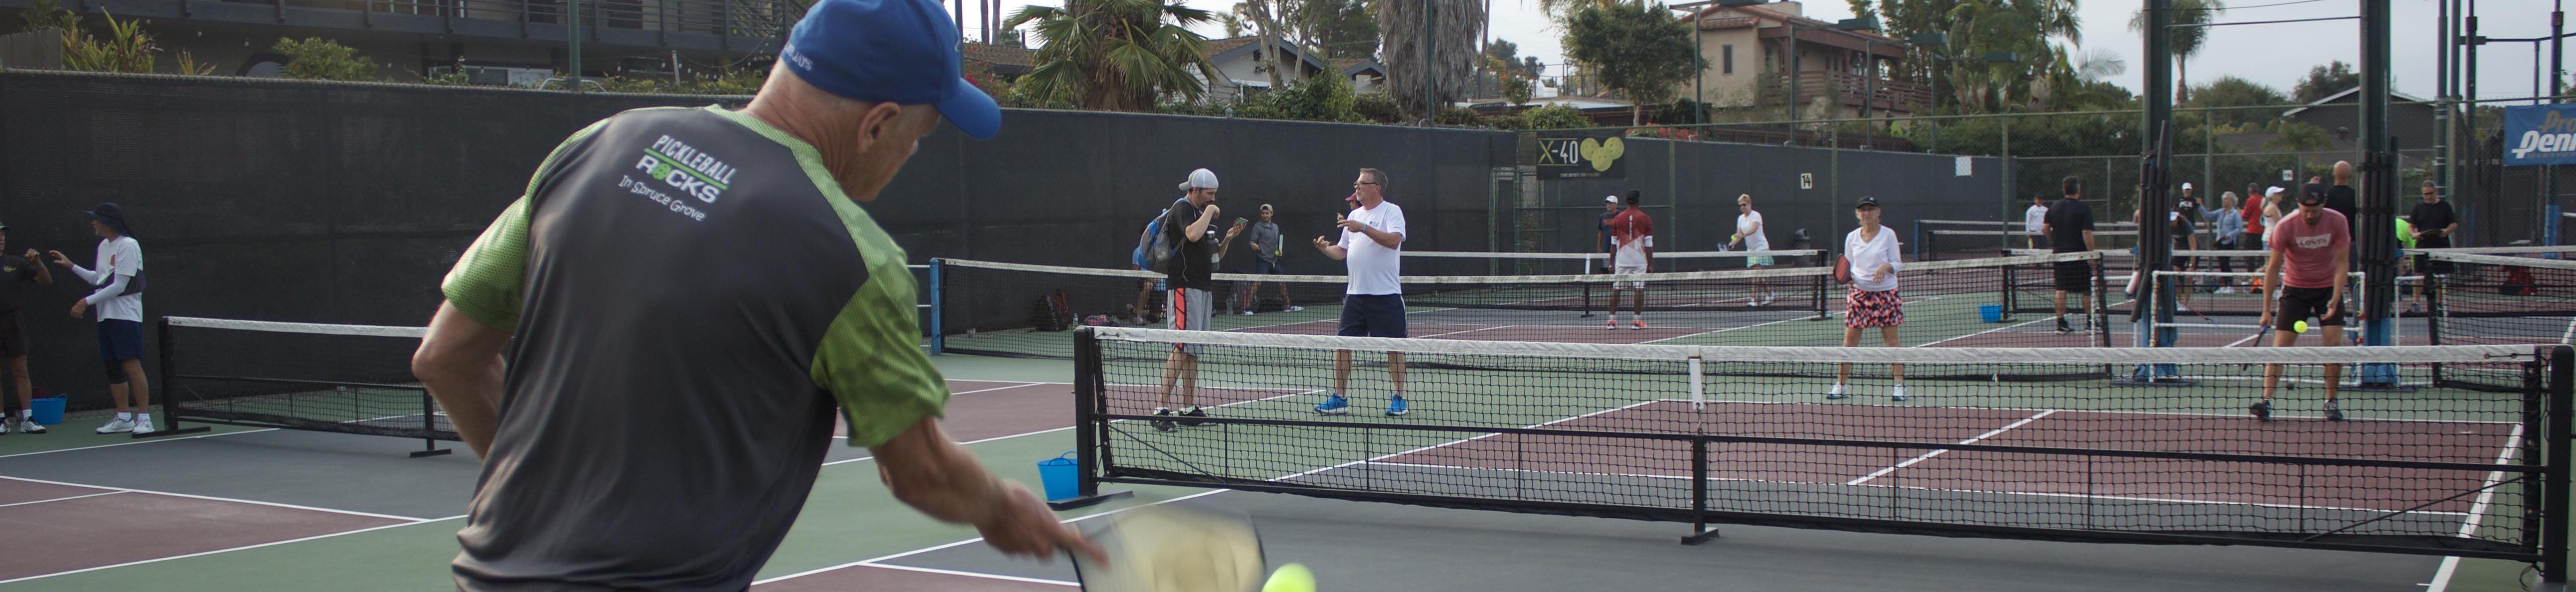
(1186, 251)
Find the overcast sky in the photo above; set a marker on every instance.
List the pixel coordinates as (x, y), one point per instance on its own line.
(2276, 55)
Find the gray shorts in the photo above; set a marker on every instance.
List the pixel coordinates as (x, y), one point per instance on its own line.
(1189, 311)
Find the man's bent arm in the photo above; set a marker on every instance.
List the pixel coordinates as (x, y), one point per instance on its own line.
(459, 361)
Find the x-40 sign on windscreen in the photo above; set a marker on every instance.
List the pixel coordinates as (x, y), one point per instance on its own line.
(1582, 157)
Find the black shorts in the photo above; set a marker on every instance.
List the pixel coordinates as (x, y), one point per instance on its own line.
(1380, 315)
(2075, 276)
(2181, 261)
(2426, 264)
(2299, 304)
(13, 340)
(119, 340)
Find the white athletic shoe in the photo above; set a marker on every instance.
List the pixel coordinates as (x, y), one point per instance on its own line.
(117, 425)
(1296, 308)
(29, 426)
(143, 424)
(1898, 394)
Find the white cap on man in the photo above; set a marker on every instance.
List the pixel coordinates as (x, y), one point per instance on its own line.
(1610, 199)
(2186, 186)
(1200, 179)
(2273, 190)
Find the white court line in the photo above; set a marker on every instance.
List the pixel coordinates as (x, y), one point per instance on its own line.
(970, 574)
(875, 562)
(220, 499)
(2570, 335)
(2477, 511)
(63, 498)
(240, 548)
(1928, 455)
(998, 388)
(146, 441)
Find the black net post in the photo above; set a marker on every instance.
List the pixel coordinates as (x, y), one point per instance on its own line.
(1700, 532)
(169, 389)
(1089, 450)
(2553, 484)
(429, 427)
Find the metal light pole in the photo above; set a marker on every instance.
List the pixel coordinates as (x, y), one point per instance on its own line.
(2379, 188)
(572, 33)
(1430, 100)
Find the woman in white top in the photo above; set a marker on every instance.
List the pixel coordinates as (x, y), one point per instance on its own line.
(1748, 232)
(1871, 251)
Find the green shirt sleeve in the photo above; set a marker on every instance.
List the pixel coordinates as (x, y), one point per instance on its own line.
(871, 360)
(487, 282)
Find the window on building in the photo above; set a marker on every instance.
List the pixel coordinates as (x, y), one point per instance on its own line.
(1727, 58)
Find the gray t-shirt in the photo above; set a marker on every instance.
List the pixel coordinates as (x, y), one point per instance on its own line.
(690, 297)
(1265, 240)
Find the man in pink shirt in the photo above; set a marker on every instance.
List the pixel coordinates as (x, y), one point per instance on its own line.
(2310, 259)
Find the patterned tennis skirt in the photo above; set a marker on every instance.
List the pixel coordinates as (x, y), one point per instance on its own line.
(1864, 309)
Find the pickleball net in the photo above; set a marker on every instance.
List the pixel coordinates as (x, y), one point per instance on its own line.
(353, 379)
(1014, 309)
(1752, 435)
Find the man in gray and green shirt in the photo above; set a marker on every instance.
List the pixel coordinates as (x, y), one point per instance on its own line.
(651, 345)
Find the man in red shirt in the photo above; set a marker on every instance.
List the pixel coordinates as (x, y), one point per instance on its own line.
(1632, 235)
(2311, 261)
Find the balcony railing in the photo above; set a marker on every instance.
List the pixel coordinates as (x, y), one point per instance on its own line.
(1851, 89)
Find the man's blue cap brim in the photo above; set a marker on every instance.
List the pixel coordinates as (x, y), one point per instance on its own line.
(971, 110)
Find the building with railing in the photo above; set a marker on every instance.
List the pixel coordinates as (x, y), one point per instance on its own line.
(497, 41)
(1835, 73)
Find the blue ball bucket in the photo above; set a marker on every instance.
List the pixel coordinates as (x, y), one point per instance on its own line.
(1992, 313)
(1062, 476)
(49, 410)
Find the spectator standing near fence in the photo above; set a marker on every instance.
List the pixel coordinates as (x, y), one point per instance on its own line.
(2434, 223)
(2034, 221)
(1267, 248)
(19, 277)
(116, 291)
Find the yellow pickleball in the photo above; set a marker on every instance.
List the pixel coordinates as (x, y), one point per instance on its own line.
(2299, 327)
(1290, 578)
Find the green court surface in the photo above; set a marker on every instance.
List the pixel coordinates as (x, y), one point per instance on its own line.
(402, 512)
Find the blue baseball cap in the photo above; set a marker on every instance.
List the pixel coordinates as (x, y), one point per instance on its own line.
(898, 51)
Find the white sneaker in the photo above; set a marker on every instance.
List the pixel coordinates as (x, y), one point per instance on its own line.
(143, 425)
(1296, 308)
(1247, 313)
(29, 426)
(1898, 394)
(117, 425)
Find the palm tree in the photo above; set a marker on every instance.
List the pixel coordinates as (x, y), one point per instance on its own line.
(1117, 54)
(2185, 40)
(1453, 50)
(2024, 28)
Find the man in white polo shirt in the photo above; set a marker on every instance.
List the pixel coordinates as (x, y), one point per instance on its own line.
(1373, 303)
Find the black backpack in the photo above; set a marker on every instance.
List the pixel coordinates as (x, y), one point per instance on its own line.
(1052, 313)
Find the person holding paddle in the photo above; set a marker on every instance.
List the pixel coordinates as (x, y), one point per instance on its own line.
(1870, 262)
(2311, 262)
(648, 428)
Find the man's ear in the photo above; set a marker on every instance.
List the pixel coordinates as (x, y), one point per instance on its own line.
(877, 121)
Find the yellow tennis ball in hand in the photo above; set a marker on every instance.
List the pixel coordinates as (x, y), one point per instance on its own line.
(1290, 578)
(2299, 327)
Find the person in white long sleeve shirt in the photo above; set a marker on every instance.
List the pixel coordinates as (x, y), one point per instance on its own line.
(1873, 302)
(116, 291)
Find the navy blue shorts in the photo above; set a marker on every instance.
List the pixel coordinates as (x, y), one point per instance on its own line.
(1270, 267)
(119, 340)
(1379, 315)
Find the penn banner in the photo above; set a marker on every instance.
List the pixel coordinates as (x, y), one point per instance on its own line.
(2540, 135)
(1582, 157)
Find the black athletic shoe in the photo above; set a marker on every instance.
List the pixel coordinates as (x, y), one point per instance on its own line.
(2262, 410)
(1159, 424)
(1193, 412)
(2334, 412)
(2061, 326)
